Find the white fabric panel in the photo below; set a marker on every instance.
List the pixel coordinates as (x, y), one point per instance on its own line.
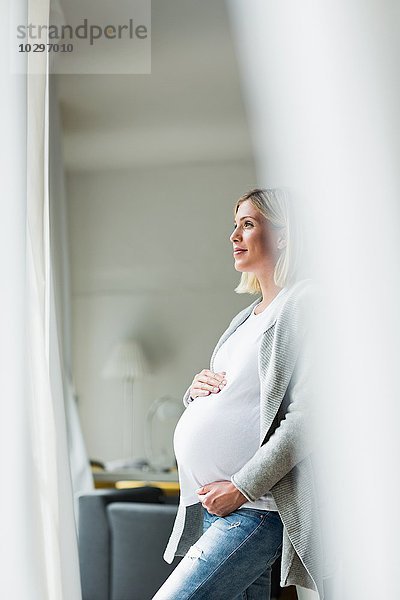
(39, 557)
(16, 523)
(82, 479)
(322, 87)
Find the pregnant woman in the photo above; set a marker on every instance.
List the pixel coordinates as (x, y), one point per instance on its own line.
(243, 445)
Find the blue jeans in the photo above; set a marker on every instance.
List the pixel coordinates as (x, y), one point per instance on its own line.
(231, 561)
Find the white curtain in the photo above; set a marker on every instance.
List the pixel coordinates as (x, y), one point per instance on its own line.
(16, 527)
(321, 81)
(81, 476)
(39, 545)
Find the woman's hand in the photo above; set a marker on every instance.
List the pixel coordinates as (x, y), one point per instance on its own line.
(206, 382)
(220, 497)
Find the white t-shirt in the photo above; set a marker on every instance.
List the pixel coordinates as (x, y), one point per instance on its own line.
(219, 433)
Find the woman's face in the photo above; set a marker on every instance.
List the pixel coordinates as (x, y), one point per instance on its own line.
(253, 239)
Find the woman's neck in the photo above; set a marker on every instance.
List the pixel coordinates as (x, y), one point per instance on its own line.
(269, 290)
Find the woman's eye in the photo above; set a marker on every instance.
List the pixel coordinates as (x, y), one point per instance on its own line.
(245, 224)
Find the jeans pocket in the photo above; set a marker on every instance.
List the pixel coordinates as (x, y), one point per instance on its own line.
(227, 523)
(254, 512)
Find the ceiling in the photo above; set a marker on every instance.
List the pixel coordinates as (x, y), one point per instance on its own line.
(188, 110)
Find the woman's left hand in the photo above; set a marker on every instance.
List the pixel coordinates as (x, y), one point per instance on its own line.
(220, 497)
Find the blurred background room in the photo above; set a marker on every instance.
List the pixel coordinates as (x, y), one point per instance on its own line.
(153, 165)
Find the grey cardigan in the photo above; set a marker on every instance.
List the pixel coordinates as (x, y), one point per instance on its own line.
(283, 464)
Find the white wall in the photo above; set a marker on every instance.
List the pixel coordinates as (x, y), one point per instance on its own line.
(150, 259)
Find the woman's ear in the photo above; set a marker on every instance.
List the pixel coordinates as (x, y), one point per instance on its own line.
(281, 242)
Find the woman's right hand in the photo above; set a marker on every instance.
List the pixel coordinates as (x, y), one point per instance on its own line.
(206, 382)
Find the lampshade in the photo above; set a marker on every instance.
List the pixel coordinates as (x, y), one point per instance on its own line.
(126, 361)
(165, 408)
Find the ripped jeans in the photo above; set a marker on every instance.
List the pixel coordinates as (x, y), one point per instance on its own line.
(231, 561)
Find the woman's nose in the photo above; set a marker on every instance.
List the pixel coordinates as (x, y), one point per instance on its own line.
(235, 235)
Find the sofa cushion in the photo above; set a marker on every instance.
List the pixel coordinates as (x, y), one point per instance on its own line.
(139, 534)
(94, 535)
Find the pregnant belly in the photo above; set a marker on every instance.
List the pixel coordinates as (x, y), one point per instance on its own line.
(212, 440)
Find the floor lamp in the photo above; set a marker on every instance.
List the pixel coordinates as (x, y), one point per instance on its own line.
(127, 362)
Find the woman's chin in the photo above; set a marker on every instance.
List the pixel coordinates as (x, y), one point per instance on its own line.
(240, 268)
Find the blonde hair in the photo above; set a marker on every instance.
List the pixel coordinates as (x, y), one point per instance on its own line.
(273, 204)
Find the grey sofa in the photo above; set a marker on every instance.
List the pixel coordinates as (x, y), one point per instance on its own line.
(122, 536)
